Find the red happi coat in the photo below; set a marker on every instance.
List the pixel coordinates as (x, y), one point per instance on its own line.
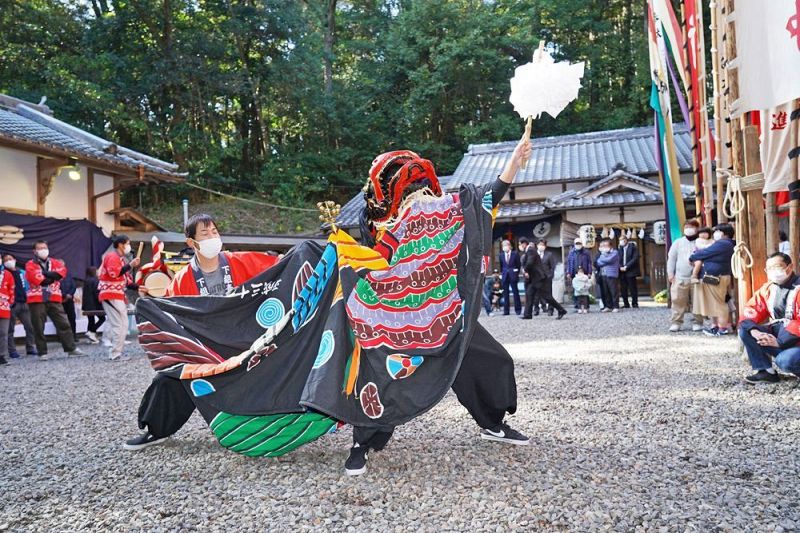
(112, 282)
(35, 276)
(6, 293)
(244, 265)
(761, 307)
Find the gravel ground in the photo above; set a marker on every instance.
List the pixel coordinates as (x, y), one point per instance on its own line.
(632, 429)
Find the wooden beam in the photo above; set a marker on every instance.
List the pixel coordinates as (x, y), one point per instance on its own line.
(46, 172)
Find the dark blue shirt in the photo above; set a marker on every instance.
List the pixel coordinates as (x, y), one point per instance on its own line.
(716, 258)
(20, 286)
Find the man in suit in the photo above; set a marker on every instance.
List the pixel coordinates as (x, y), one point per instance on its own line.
(549, 263)
(628, 271)
(509, 274)
(535, 279)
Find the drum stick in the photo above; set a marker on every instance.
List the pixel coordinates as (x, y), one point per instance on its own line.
(139, 252)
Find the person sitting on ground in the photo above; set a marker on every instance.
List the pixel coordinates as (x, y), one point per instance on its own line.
(710, 296)
(770, 323)
(704, 240)
(166, 406)
(607, 264)
(497, 295)
(581, 285)
(488, 292)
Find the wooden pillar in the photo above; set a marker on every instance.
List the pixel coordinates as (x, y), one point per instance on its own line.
(90, 193)
(772, 223)
(757, 238)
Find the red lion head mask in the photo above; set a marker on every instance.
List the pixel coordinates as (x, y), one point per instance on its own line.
(392, 177)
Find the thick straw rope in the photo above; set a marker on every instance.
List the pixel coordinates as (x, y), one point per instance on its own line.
(734, 201)
(733, 205)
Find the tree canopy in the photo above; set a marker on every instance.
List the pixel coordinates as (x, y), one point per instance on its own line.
(291, 100)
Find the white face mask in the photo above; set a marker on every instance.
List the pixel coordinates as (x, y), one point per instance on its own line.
(690, 232)
(623, 243)
(210, 248)
(126, 249)
(506, 249)
(717, 235)
(541, 248)
(777, 275)
(10, 263)
(42, 254)
(604, 250)
(579, 247)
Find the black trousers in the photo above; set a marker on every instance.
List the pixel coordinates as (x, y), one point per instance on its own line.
(95, 321)
(609, 292)
(535, 294)
(485, 385)
(54, 310)
(69, 310)
(165, 407)
(628, 286)
(544, 289)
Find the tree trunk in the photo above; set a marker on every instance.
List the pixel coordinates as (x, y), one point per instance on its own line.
(330, 30)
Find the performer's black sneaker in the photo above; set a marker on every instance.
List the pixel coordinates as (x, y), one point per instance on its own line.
(356, 464)
(507, 434)
(762, 376)
(143, 441)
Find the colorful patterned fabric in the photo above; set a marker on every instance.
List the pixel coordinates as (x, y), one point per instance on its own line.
(334, 334)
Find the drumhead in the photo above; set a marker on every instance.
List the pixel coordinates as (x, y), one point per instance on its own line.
(157, 283)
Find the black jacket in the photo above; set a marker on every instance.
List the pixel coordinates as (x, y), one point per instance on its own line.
(534, 266)
(549, 262)
(629, 258)
(91, 300)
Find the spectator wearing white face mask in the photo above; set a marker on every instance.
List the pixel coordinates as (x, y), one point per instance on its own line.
(44, 275)
(679, 274)
(115, 278)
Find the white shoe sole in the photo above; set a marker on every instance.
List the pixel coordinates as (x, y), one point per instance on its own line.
(484, 436)
(358, 472)
(134, 447)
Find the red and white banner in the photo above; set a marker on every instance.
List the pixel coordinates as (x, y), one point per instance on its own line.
(767, 53)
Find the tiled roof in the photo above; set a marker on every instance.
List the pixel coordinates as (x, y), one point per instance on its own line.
(28, 126)
(579, 198)
(572, 157)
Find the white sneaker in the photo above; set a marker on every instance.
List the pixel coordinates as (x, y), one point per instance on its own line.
(697, 327)
(127, 343)
(106, 342)
(675, 327)
(92, 336)
(615, 310)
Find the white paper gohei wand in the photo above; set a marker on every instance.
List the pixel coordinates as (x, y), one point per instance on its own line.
(544, 86)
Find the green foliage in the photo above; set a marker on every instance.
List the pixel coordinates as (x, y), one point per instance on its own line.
(237, 92)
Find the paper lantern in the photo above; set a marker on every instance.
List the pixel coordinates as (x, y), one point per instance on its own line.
(587, 235)
(660, 232)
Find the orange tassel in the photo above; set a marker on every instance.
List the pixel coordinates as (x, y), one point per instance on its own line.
(355, 360)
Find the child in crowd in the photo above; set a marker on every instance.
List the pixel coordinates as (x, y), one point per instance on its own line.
(704, 240)
(581, 284)
(497, 295)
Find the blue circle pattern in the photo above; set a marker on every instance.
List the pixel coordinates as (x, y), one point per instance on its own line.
(270, 312)
(326, 345)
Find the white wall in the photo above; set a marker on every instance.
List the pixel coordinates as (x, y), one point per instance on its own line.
(68, 199)
(608, 215)
(105, 203)
(17, 179)
(537, 192)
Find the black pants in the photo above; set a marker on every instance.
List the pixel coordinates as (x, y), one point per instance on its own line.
(507, 297)
(485, 385)
(544, 289)
(95, 321)
(534, 294)
(165, 407)
(628, 286)
(609, 292)
(54, 310)
(69, 310)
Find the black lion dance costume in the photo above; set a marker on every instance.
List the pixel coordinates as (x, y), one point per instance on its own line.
(371, 336)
